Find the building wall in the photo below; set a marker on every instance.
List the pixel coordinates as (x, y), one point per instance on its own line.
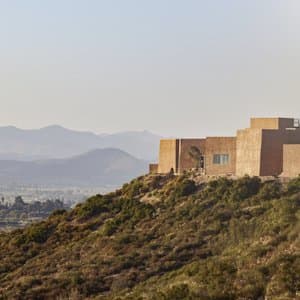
(153, 168)
(291, 160)
(168, 155)
(272, 152)
(256, 151)
(286, 123)
(186, 162)
(264, 123)
(220, 145)
(248, 152)
(272, 149)
(260, 151)
(271, 123)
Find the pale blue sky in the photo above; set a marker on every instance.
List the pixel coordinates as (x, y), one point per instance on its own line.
(181, 68)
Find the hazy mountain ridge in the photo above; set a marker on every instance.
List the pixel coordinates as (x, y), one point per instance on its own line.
(163, 237)
(100, 167)
(58, 142)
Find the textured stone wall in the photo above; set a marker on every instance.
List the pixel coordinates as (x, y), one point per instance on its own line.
(271, 123)
(168, 155)
(291, 160)
(264, 123)
(248, 152)
(220, 145)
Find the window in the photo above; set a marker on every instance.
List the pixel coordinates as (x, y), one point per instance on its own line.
(221, 159)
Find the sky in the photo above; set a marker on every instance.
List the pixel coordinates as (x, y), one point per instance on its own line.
(177, 68)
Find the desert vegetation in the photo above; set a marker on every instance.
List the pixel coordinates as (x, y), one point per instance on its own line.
(224, 239)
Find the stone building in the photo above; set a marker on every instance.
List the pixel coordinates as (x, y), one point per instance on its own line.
(270, 147)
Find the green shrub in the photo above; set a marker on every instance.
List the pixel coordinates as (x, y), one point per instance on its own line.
(135, 188)
(76, 279)
(270, 190)
(178, 292)
(110, 227)
(218, 189)
(294, 186)
(185, 188)
(130, 211)
(244, 188)
(38, 233)
(58, 212)
(95, 206)
(125, 239)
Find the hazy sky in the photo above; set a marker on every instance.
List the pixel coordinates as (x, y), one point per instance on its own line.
(175, 67)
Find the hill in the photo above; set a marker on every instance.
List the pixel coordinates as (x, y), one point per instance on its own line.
(58, 142)
(163, 238)
(99, 167)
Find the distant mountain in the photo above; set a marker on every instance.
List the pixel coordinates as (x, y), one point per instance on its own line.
(58, 142)
(96, 168)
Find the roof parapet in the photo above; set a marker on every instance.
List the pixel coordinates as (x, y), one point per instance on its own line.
(273, 123)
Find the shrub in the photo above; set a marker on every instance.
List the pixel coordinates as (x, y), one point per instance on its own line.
(294, 186)
(217, 189)
(270, 190)
(125, 239)
(135, 188)
(245, 187)
(58, 212)
(38, 233)
(130, 211)
(178, 292)
(94, 206)
(111, 227)
(185, 188)
(76, 279)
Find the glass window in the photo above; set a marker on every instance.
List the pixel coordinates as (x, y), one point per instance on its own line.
(216, 159)
(221, 159)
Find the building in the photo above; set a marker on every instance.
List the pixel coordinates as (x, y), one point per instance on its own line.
(270, 147)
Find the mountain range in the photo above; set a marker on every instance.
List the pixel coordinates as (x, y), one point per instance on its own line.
(99, 167)
(58, 142)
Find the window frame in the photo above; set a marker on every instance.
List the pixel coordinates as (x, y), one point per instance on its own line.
(221, 159)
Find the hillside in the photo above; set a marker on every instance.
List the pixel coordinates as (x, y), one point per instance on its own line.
(59, 142)
(163, 238)
(99, 167)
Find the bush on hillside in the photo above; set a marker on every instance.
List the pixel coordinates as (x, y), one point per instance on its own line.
(130, 212)
(218, 189)
(185, 188)
(177, 292)
(37, 233)
(294, 186)
(135, 188)
(95, 206)
(58, 212)
(270, 190)
(244, 188)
